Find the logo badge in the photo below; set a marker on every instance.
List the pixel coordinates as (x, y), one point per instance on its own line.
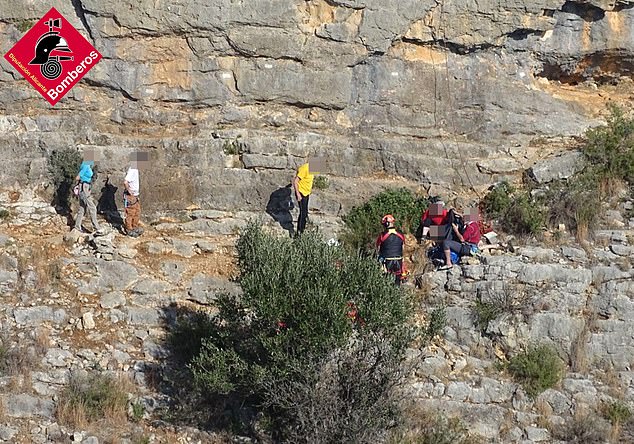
(53, 56)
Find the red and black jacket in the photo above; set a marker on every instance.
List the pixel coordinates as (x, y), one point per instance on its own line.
(390, 244)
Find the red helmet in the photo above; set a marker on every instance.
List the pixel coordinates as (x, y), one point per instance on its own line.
(388, 219)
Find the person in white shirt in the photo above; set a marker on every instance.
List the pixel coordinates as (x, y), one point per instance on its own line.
(131, 193)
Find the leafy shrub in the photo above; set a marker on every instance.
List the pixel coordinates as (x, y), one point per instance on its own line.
(321, 182)
(537, 369)
(4, 213)
(314, 344)
(610, 149)
(498, 200)
(63, 166)
(609, 154)
(92, 397)
(516, 211)
(363, 223)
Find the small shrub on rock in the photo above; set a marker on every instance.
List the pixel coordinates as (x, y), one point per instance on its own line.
(363, 223)
(537, 369)
(321, 183)
(515, 210)
(610, 149)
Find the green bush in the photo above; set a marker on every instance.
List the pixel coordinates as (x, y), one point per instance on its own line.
(609, 154)
(515, 210)
(63, 166)
(4, 213)
(537, 369)
(363, 223)
(314, 344)
(610, 149)
(321, 183)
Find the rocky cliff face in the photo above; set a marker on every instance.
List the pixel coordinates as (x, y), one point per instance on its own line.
(442, 94)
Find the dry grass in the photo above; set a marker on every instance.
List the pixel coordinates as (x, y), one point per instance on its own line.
(579, 362)
(426, 426)
(94, 398)
(610, 378)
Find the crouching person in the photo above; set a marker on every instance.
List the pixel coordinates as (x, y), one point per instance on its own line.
(390, 248)
(468, 239)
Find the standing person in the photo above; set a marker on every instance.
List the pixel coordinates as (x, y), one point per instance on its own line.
(131, 198)
(303, 186)
(390, 248)
(84, 182)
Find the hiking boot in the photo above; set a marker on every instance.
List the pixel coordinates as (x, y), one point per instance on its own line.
(100, 232)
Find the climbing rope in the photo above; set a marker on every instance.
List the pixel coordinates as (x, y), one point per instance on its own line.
(443, 43)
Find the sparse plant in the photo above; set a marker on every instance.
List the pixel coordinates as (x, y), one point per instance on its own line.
(321, 182)
(363, 223)
(437, 323)
(4, 214)
(426, 427)
(92, 397)
(537, 369)
(138, 410)
(497, 304)
(582, 429)
(617, 412)
(63, 166)
(18, 359)
(25, 25)
(233, 146)
(484, 313)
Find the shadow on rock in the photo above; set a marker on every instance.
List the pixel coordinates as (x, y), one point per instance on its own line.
(107, 204)
(190, 405)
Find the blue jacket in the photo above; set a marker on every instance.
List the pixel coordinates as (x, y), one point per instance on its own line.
(85, 171)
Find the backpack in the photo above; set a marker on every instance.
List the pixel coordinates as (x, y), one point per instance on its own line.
(437, 256)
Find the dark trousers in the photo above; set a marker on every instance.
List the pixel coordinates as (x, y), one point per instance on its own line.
(456, 247)
(395, 267)
(303, 213)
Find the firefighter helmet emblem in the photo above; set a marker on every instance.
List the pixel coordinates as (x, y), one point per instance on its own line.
(48, 49)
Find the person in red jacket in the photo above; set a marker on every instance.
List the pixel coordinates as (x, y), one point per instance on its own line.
(390, 248)
(468, 240)
(436, 215)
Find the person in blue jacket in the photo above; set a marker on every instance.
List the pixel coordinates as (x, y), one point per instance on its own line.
(86, 203)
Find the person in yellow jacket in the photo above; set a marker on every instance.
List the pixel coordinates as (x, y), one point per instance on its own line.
(303, 186)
